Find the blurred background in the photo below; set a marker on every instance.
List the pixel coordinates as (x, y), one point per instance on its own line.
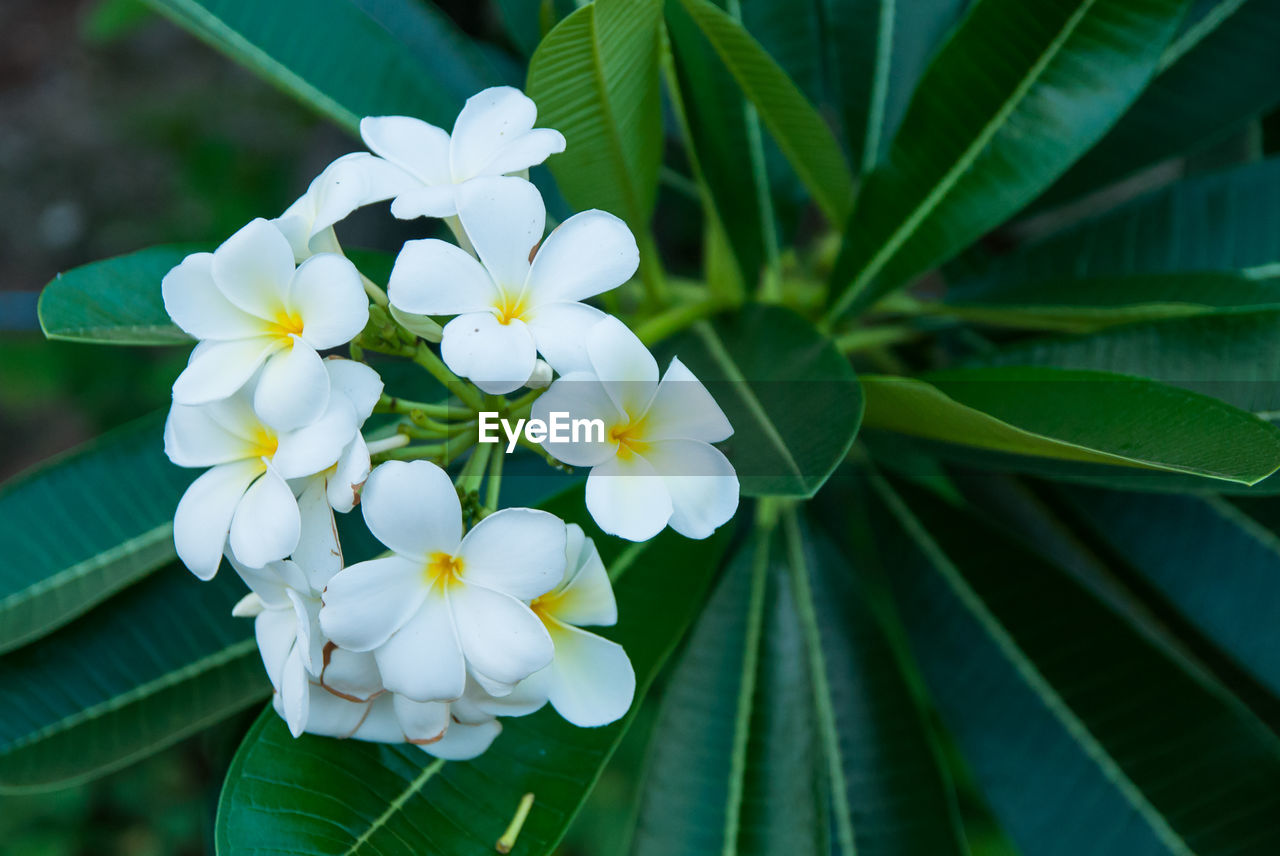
(119, 131)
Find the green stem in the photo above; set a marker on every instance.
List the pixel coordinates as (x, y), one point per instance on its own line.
(865, 338)
(442, 410)
(376, 294)
(466, 393)
(675, 319)
(472, 474)
(651, 273)
(494, 487)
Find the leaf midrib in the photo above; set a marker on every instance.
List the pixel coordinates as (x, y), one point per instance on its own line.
(139, 693)
(100, 561)
(949, 179)
(216, 33)
(1031, 675)
(635, 215)
(723, 358)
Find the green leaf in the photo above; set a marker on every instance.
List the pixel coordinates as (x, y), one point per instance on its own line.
(1086, 417)
(1220, 71)
(1224, 222)
(982, 138)
(1093, 303)
(1083, 733)
(730, 769)
(154, 664)
(1231, 356)
(793, 122)
(794, 402)
(82, 527)
(595, 78)
(345, 794)
(719, 137)
(1170, 541)
(116, 301)
(878, 49)
(346, 59)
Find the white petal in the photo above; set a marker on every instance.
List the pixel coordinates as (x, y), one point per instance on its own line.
(496, 357)
(702, 484)
(318, 553)
(582, 396)
(249, 606)
(434, 201)
(587, 597)
(591, 682)
(421, 722)
(682, 409)
(358, 382)
(276, 631)
(196, 305)
(204, 515)
(501, 637)
(367, 602)
(328, 296)
(270, 583)
(628, 499)
(381, 725)
(350, 182)
(266, 525)
(516, 551)
(253, 269)
(464, 742)
(623, 364)
(330, 716)
(311, 641)
(293, 389)
(295, 693)
(217, 370)
(434, 277)
(350, 675)
(318, 445)
(504, 218)
(477, 706)
(423, 659)
(413, 508)
(560, 334)
(489, 120)
(351, 471)
(193, 438)
(587, 254)
(411, 144)
(528, 149)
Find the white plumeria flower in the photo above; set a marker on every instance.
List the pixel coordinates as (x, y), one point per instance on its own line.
(251, 308)
(245, 496)
(445, 606)
(338, 487)
(434, 727)
(655, 465)
(590, 682)
(512, 305)
(493, 135)
(348, 183)
(285, 606)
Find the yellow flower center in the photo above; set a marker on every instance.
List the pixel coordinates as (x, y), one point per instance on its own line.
(264, 443)
(629, 436)
(286, 324)
(510, 308)
(443, 569)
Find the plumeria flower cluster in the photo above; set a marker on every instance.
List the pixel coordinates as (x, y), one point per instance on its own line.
(474, 612)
